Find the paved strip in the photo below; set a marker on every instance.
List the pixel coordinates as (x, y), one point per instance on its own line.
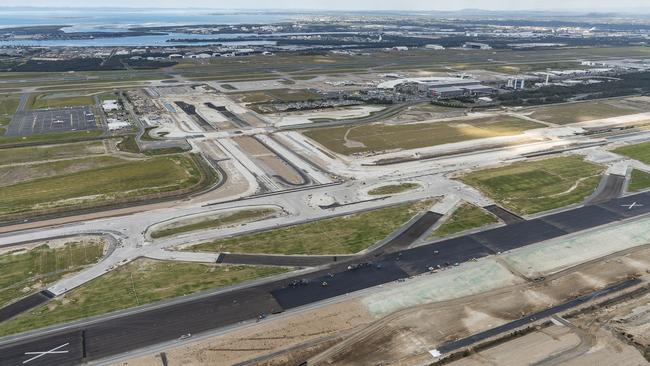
(505, 215)
(517, 235)
(610, 187)
(281, 260)
(582, 218)
(134, 330)
(23, 305)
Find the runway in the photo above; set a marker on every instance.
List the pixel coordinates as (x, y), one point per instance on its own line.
(133, 330)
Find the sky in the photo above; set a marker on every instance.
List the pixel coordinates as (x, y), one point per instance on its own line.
(587, 5)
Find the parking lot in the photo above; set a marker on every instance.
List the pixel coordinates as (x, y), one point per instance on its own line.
(45, 121)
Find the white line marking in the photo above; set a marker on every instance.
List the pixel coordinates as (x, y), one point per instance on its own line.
(632, 205)
(54, 350)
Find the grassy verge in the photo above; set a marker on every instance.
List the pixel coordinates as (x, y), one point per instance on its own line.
(128, 144)
(640, 152)
(40, 153)
(127, 180)
(339, 235)
(378, 137)
(45, 100)
(215, 221)
(60, 137)
(276, 95)
(138, 283)
(640, 180)
(9, 104)
(466, 217)
(23, 272)
(393, 189)
(581, 112)
(534, 186)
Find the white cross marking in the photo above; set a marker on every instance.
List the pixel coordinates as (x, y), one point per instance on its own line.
(41, 354)
(632, 205)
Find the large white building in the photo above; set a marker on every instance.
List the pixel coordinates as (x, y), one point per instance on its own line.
(110, 105)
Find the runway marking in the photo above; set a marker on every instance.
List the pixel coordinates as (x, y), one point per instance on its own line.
(54, 350)
(632, 205)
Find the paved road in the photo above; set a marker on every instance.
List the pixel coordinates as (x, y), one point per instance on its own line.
(611, 186)
(468, 341)
(134, 330)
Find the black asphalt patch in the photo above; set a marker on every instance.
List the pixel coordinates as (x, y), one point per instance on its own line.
(280, 260)
(582, 218)
(517, 235)
(190, 110)
(22, 305)
(170, 322)
(505, 215)
(630, 206)
(458, 250)
(324, 287)
(43, 121)
(229, 115)
(412, 233)
(70, 342)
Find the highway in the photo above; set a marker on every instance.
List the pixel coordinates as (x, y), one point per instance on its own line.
(111, 335)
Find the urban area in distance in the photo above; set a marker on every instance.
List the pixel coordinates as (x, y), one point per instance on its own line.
(186, 186)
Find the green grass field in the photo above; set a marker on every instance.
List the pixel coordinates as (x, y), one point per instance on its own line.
(8, 104)
(128, 144)
(39, 153)
(465, 217)
(393, 189)
(51, 137)
(581, 112)
(639, 181)
(126, 180)
(377, 137)
(23, 272)
(303, 66)
(215, 221)
(339, 235)
(137, 283)
(530, 187)
(47, 100)
(640, 152)
(275, 95)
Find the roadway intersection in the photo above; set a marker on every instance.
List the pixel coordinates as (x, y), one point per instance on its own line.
(111, 335)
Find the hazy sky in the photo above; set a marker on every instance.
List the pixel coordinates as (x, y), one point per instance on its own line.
(356, 4)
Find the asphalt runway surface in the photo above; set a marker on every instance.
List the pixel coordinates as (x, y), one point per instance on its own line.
(45, 121)
(166, 322)
(505, 215)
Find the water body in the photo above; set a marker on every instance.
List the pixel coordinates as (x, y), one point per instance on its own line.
(118, 20)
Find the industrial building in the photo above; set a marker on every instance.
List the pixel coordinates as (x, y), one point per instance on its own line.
(477, 46)
(424, 84)
(110, 105)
